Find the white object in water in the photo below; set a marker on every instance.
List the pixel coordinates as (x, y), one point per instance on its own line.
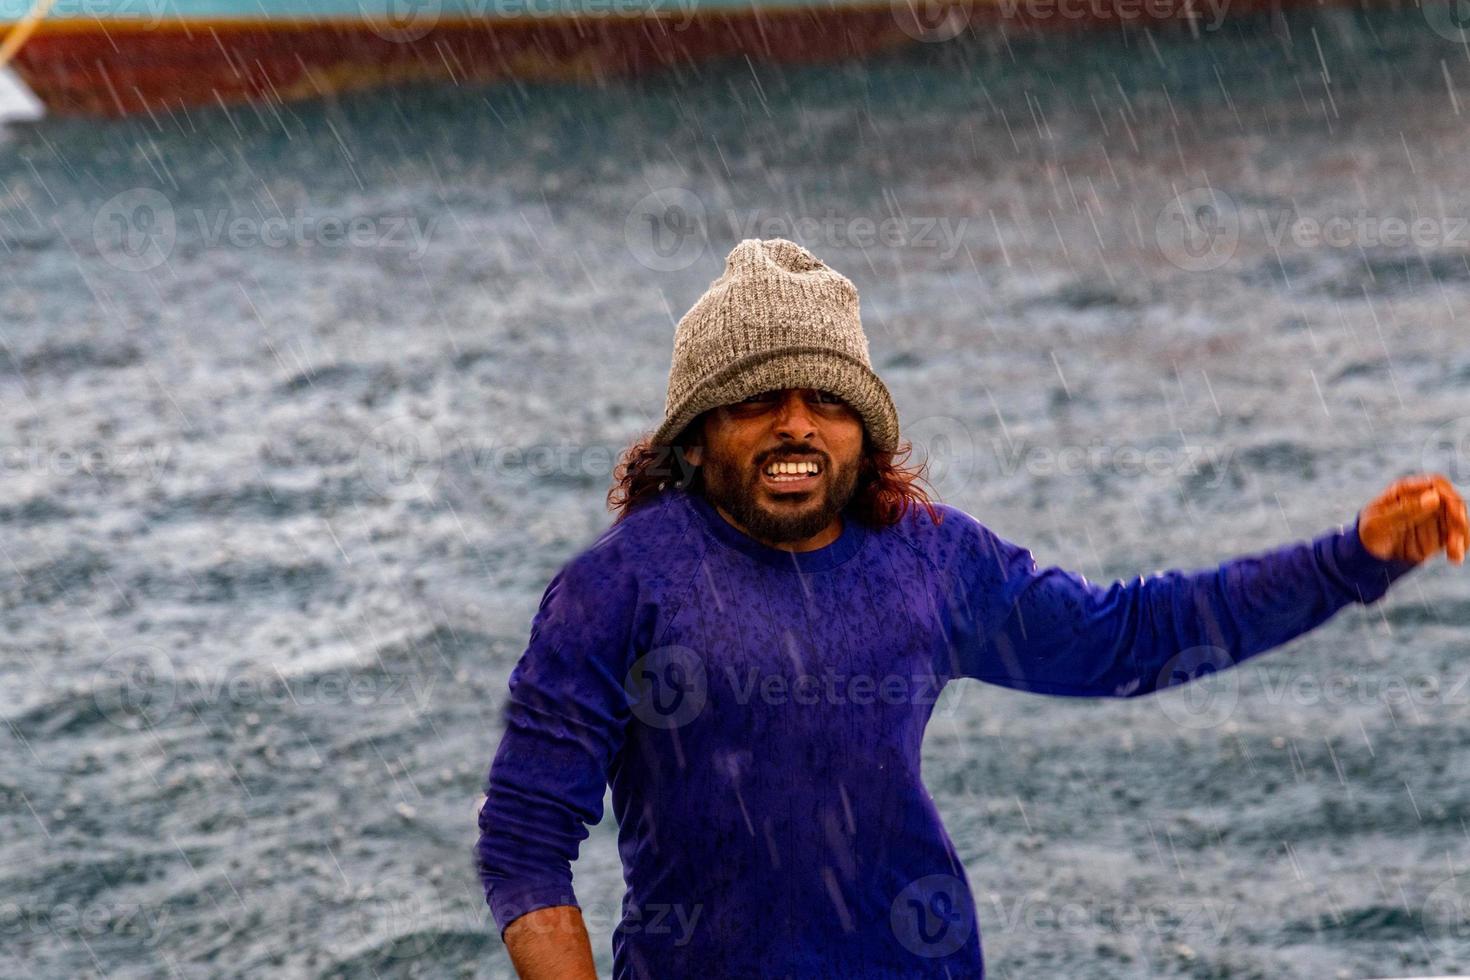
(16, 101)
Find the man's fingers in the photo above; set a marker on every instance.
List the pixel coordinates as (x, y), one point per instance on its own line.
(1429, 515)
(1410, 483)
(1456, 522)
(1419, 523)
(1428, 535)
(1457, 519)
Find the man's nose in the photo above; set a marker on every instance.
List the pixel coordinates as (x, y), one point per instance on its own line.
(794, 418)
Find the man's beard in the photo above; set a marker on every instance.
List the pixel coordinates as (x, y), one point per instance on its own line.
(734, 487)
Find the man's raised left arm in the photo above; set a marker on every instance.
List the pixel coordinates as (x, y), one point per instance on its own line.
(1051, 631)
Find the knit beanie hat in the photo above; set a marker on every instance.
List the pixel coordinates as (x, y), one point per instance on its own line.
(777, 317)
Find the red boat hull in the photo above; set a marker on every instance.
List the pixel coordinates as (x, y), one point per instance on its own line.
(92, 67)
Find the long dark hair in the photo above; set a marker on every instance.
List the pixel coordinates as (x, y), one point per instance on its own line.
(886, 487)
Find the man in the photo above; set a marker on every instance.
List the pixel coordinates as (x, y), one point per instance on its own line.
(749, 655)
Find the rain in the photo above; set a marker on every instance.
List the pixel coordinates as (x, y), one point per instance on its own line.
(314, 375)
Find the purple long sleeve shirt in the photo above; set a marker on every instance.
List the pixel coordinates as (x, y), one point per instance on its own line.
(759, 713)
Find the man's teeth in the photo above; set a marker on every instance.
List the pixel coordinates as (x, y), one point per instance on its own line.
(791, 471)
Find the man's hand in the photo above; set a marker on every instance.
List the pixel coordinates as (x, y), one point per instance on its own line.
(1414, 519)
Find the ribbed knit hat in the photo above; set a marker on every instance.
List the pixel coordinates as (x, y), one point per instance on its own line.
(777, 317)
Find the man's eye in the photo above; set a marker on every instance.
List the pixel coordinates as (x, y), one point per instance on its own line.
(829, 398)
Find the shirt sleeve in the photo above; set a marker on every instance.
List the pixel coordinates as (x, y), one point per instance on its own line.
(564, 722)
(1051, 631)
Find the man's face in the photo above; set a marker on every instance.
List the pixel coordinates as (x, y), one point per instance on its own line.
(803, 426)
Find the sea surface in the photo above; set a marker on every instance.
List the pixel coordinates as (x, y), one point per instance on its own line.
(304, 405)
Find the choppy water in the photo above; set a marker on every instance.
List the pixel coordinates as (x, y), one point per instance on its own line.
(276, 510)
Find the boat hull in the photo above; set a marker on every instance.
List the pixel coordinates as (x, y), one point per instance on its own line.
(113, 68)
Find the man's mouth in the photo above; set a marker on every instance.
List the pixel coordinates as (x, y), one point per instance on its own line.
(791, 475)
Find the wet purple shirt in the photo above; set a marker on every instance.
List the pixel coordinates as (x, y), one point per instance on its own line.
(759, 715)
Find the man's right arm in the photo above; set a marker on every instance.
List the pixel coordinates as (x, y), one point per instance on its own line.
(565, 720)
